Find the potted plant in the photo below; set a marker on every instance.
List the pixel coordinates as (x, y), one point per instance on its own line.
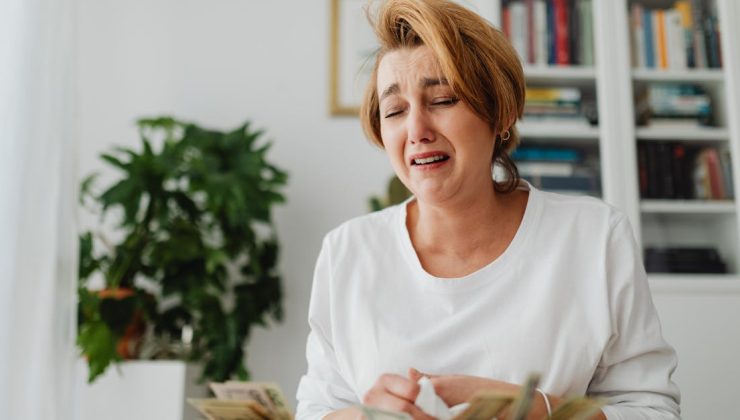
(193, 264)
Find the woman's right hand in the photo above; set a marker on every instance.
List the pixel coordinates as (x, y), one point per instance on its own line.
(395, 393)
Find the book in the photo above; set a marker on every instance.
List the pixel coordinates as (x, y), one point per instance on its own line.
(586, 33)
(540, 32)
(637, 36)
(683, 260)
(562, 46)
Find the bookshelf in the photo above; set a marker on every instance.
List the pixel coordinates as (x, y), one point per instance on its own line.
(613, 80)
(699, 311)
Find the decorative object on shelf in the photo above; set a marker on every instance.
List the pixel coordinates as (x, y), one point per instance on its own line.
(353, 45)
(397, 193)
(191, 264)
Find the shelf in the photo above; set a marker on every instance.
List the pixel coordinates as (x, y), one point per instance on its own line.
(682, 133)
(558, 130)
(694, 283)
(687, 206)
(560, 73)
(691, 76)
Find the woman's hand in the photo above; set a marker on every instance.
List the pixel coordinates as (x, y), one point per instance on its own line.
(456, 389)
(395, 393)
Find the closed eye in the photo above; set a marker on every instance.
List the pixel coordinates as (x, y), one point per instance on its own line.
(393, 113)
(445, 101)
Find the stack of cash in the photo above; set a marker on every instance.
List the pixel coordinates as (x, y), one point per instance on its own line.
(244, 401)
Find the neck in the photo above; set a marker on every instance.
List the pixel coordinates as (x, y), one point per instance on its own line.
(461, 225)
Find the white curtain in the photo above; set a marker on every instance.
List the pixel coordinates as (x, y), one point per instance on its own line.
(38, 246)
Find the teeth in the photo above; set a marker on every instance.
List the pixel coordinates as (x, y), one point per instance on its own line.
(428, 160)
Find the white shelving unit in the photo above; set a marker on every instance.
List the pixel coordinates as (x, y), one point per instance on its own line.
(690, 75)
(697, 207)
(558, 130)
(699, 312)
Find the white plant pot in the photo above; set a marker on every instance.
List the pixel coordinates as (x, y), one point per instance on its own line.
(142, 390)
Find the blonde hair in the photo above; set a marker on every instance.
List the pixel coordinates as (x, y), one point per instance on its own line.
(477, 60)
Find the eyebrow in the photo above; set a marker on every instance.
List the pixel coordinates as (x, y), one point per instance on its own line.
(425, 83)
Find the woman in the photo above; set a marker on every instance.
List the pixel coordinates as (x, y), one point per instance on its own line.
(474, 280)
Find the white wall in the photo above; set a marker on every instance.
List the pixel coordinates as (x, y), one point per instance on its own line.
(219, 63)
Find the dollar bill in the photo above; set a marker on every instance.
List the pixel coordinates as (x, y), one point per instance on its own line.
(523, 402)
(243, 391)
(215, 409)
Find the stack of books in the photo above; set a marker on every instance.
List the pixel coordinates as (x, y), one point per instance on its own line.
(680, 37)
(553, 103)
(671, 170)
(673, 105)
(560, 169)
(684, 260)
(550, 32)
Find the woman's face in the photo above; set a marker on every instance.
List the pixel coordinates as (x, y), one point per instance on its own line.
(438, 146)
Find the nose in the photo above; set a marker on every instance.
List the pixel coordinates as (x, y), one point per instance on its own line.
(419, 127)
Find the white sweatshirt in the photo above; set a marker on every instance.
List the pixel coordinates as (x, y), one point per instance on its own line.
(568, 298)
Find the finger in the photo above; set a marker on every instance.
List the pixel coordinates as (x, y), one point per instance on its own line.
(400, 386)
(390, 402)
(415, 375)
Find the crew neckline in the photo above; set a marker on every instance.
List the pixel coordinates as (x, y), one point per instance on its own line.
(483, 275)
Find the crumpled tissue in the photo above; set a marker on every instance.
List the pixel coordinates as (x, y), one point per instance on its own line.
(429, 402)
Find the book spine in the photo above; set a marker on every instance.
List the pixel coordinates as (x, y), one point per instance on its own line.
(675, 40)
(519, 28)
(561, 32)
(712, 42)
(647, 24)
(531, 47)
(574, 33)
(661, 53)
(586, 33)
(506, 22)
(551, 33)
(698, 42)
(687, 23)
(638, 36)
(716, 181)
(642, 169)
(540, 21)
(725, 163)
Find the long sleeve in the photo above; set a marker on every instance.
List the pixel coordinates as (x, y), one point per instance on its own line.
(634, 372)
(323, 388)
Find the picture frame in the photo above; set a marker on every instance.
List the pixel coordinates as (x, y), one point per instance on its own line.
(352, 48)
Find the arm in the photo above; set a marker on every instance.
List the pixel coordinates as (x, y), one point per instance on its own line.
(323, 388)
(634, 373)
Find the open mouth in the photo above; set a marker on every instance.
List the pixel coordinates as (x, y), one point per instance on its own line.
(429, 160)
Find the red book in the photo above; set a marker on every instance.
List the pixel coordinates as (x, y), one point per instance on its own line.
(506, 23)
(562, 47)
(716, 182)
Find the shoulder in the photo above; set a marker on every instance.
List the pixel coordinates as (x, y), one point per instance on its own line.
(582, 211)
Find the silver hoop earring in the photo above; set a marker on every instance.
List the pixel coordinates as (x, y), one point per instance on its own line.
(506, 136)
